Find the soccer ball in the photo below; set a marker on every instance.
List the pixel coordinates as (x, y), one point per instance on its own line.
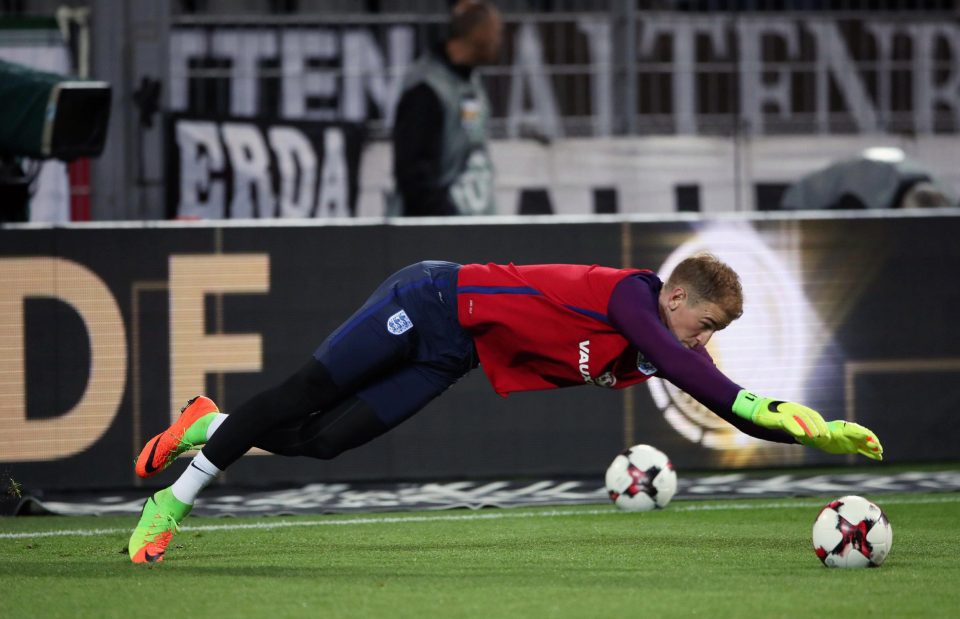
(852, 532)
(640, 479)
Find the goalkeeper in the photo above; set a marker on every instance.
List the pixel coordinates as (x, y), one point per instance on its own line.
(530, 327)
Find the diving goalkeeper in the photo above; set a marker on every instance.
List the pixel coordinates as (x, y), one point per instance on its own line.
(530, 327)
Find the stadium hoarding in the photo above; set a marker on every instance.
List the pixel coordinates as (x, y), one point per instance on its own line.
(107, 330)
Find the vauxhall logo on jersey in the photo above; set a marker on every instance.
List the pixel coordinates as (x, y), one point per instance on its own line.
(607, 379)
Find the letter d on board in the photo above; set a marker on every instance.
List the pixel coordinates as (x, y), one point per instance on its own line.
(31, 440)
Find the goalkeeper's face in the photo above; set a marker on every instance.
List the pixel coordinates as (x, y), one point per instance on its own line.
(693, 323)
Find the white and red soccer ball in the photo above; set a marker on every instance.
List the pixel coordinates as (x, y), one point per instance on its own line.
(852, 532)
(640, 479)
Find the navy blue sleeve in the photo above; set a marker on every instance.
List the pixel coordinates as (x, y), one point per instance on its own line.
(633, 310)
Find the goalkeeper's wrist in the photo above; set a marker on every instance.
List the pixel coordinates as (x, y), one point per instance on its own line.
(836, 427)
(747, 404)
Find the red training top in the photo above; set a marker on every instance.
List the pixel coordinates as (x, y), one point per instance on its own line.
(545, 326)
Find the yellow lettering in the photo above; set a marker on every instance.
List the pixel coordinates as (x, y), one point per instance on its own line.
(193, 353)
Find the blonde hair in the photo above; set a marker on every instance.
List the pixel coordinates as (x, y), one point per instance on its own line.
(706, 278)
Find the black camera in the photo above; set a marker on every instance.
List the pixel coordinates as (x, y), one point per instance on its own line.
(44, 116)
(50, 116)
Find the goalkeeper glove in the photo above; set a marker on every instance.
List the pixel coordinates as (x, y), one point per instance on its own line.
(800, 422)
(847, 437)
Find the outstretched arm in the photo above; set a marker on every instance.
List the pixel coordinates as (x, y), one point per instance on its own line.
(633, 311)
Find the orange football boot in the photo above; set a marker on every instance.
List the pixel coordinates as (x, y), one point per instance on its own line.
(159, 520)
(163, 449)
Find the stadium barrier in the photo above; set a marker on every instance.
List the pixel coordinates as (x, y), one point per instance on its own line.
(106, 329)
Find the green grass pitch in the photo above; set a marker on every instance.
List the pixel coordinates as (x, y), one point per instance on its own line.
(737, 558)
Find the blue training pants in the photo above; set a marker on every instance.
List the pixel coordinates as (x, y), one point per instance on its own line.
(404, 346)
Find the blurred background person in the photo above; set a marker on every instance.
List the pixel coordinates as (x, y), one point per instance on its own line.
(441, 164)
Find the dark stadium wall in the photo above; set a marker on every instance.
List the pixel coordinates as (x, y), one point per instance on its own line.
(106, 330)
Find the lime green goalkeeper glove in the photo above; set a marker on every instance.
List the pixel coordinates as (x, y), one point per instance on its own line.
(803, 424)
(807, 427)
(847, 437)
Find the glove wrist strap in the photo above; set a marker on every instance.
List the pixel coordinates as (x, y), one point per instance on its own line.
(746, 404)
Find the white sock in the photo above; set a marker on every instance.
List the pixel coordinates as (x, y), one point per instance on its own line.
(197, 477)
(220, 418)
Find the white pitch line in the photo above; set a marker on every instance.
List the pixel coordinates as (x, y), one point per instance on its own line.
(502, 515)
